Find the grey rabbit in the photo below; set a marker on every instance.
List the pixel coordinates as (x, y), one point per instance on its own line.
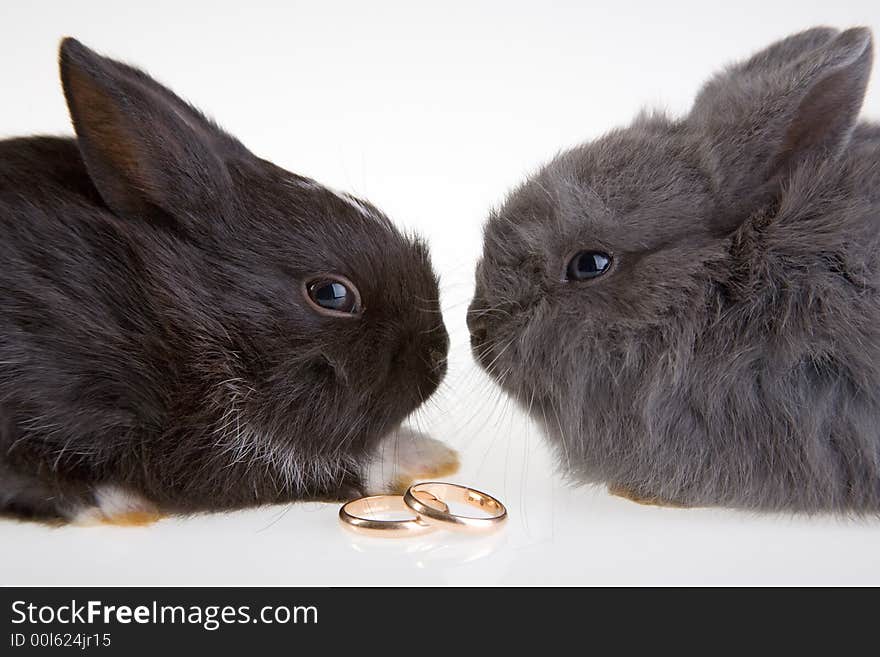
(690, 307)
(187, 327)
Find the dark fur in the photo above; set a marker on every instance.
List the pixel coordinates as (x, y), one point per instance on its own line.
(732, 354)
(153, 330)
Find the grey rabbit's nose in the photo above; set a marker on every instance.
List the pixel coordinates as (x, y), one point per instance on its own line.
(476, 312)
(476, 322)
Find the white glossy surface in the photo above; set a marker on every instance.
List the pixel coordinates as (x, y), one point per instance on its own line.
(432, 114)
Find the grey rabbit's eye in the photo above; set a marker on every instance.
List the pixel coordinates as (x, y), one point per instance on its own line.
(333, 295)
(585, 265)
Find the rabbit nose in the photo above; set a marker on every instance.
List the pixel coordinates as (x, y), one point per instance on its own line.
(476, 321)
(479, 334)
(438, 364)
(438, 357)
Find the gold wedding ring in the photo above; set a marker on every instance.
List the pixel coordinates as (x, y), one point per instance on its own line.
(438, 516)
(360, 515)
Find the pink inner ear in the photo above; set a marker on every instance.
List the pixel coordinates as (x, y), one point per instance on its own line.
(149, 154)
(107, 145)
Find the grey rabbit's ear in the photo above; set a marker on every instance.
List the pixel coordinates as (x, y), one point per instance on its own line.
(148, 152)
(798, 100)
(785, 51)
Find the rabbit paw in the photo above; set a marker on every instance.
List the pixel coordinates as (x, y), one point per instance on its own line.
(407, 456)
(638, 498)
(116, 506)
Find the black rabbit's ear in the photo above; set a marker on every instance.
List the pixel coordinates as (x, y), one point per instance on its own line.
(148, 152)
(797, 101)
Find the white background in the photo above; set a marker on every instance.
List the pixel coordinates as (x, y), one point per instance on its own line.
(432, 111)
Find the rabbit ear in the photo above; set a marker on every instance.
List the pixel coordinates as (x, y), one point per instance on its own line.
(148, 152)
(798, 100)
(785, 51)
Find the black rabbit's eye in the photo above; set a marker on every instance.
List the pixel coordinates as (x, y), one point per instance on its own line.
(587, 264)
(334, 296)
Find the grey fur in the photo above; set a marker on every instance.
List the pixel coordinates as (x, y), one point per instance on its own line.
(731, 356)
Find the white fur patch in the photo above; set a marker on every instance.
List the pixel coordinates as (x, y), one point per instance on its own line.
(239, 443)
(406, 456)
(112, 502)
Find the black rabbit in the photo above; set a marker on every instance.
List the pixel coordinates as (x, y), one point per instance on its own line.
(691, 307)
(185, 326)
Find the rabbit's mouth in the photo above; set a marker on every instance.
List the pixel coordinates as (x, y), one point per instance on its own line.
(489, 345)
(487, 349)
(494, 357)
(481, 345)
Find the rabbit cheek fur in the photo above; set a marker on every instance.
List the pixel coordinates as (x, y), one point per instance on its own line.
(730, 355)
(156, 342)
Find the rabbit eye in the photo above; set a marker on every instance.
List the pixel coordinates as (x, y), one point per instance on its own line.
(587, 264)
(333, 296)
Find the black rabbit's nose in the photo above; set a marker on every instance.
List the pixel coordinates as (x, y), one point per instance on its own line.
(435, 356)
(438, 358)
(438, 366)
